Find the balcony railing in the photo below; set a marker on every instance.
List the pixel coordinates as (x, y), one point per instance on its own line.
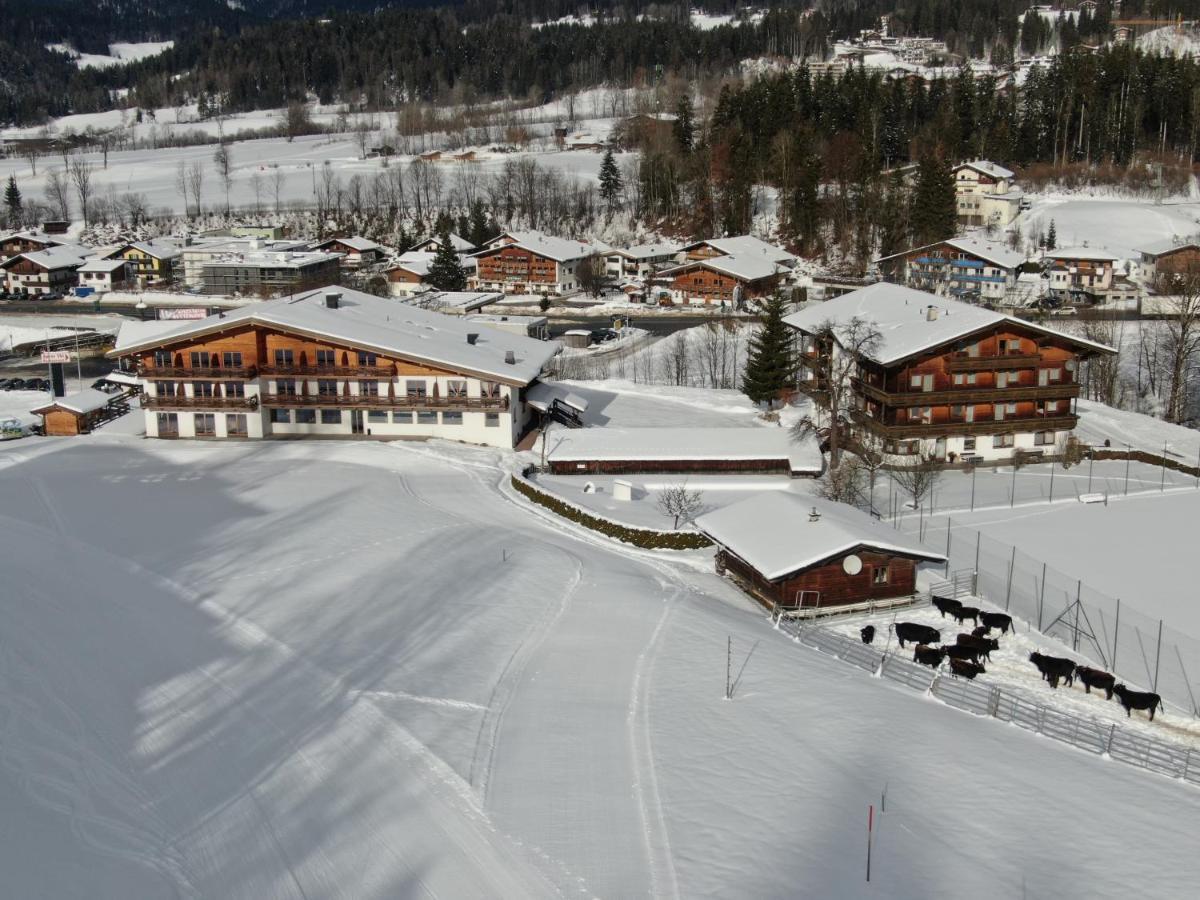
(960, 362)
(201, 403)
(957, 425)
(968, 394)
(198, 373)
(329, 371)
(334, 401)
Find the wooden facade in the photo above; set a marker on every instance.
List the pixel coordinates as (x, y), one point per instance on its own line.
(1183, 260)
(23, 274)
(699, 282)
(516, 266)
(884, 575)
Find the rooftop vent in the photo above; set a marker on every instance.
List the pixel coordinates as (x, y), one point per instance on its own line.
(472, 337)
(814, 515)
(931, 313)
(333, 299)
(510, 357)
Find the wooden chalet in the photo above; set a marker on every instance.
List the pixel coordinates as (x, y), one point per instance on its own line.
(529, 262)
(946, 379)
(356, 251)
(42, 271)
(27, 242)
(74, 414)
(1169, 258)
(800, 553)
(722, 279)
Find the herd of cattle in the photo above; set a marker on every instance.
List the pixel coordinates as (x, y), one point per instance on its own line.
(968, 651)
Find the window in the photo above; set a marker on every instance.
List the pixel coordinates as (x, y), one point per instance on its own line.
(366, 359)
(489, 389)
(284, 358)
(206, 424)
(492, 420)
(968, 445)
(452, 418)
(1043, 439)
(881, 574)
(1010, 408)
(1048, 406)
(168, 424)
(368, 388)
(199, 359)
(235, 425)
(915, 382)
(426, 418)
(326, 358)
(402, 418)
(306, 417)
(231, 359)
(285, 386)
(234, 389)
(1002, 440)
(331, 417)
(956, 412)
(162, 359)
(926, 415)
(415, 389)
(327, 387)
(1055, 375)
(202, 389)
(164, 389)
(456, 388)
(377, 415)
(281, 416)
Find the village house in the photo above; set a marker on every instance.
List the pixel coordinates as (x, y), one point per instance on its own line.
(1085, 275)
(639, 261)
(722, 279)
(743, 245)
(27, 242)
(74, 414)
(407, 275)
(356, 252)
(334, 363)
(269, 273)
(151, 262)
(947, 380)
(1169, 258)
(461, 245)
(800, 553)
(964, 268)
(104, 275)
(529, 262)
(42, 271)
(985, 194)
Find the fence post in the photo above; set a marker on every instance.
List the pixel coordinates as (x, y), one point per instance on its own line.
(1078, 601)
(1116, 635)
(1008, 590)
(1112, 730)
(978, 540)
(1157, 656)
(1051, 482)
(1187, 683)
(948, 530)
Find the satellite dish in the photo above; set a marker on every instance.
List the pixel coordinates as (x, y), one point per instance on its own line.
(852, 565)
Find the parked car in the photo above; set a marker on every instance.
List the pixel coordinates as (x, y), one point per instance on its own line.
(17, 384)
(37, 384)
(5, 382)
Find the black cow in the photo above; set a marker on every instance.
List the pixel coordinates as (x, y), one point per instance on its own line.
(1053, 668)
(1003, 621)
(918, 634)
(965, 669)
(1095, 678)
(945, 605)
(960, 651)
(967, 612)
(1138, 700)
(867, 633)
(980, 631)
(928, 656)
(984, 645)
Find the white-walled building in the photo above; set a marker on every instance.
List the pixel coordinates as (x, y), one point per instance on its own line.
(986, 194)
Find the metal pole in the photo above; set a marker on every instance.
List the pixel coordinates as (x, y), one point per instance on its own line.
(1012, 562)
(728, 664)
(78, 364)
(1041, 596)
(975, 469)
(1051, 482)
(1091, 462)
(1128, 453)
(1012, 497)
(948, 546)
(1116, 635)
(1078, 594)
(978, 540)
(1157, 655)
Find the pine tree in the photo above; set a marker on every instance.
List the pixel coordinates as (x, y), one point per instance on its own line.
(446, 272)
(934, 214)
(610, 181)
(12, 202)
(1051, 237)
(684, 129)
(478, 234)
(769, 366)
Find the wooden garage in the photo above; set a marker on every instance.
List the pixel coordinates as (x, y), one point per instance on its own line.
(797, 552)
(74, 414)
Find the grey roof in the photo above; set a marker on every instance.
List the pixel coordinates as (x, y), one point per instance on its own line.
(556, 248)
(743, 268)
(361, 244)
(1088, 253)
(385, 326)
(53, 258)
(991, 251)
(1160, 248)
(746, 245)
(987, 167)
(460, 244)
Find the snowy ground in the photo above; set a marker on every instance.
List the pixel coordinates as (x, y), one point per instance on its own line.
(118, 53)
(1121, 226)
(344, 669)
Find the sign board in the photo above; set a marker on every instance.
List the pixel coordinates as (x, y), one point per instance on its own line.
(56, 356)
(184, 312)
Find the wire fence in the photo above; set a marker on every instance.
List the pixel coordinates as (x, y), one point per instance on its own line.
(1140, 649)
(1172, 760)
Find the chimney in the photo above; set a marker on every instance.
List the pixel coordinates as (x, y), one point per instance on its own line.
(253, 243)
(931, 313)
(814, 515)
(510, 357)
(472, 337)
(333, 299)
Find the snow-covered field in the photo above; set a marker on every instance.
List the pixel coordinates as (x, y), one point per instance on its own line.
(1121, 226)
(118, 53)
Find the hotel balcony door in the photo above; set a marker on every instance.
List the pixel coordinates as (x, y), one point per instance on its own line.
(939, 448)
(356, 421)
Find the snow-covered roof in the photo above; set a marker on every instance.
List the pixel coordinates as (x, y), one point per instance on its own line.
(1085, 253)
(746, 246)
(460, 301)
(383, 325)
(905, 329)
(417, 263)
(556, 248)
(38, 237)
(274, 259)
(1169, 245)
(361, 244)
(86, 401)
(460, 244)
(102, 265)
(118, 377)
(542, 395)
(158, 249)
(743, 268)
(645, 251)
(51, 258)
(990, 251)
(986, 167)
(658, 444)
(136, 331)
(775, 533)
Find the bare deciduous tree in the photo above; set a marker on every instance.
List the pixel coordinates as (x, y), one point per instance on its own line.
(1181, 335)
(81, 178)
(181, 185)
(677, 501)
(918, 478)
(277, 182)
(195, 180)
(58, 193)
(223, 163)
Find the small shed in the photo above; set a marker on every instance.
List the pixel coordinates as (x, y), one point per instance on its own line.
(75, 413)
(800, 552)
(576, 338)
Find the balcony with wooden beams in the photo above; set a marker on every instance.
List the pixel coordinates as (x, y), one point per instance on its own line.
(199, 403)
(961, 362)
(382, 401)
(199, 373)
(968, 394)
(306, 371)
(957, 425)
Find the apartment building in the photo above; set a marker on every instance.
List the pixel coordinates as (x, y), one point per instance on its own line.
(530, 262)
(964, 268)
(986, 194)
(269, 272)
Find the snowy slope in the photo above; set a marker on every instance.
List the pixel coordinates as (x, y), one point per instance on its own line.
(118, 53)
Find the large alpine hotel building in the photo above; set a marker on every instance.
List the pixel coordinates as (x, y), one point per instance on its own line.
(333, 362)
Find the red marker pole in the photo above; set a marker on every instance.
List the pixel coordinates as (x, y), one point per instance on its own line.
(870, 830)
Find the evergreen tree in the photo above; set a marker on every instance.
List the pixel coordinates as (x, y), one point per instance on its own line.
(446, 272)
(12, 202)
(610, 181)
(479, 232)
(769, 365)
(1051, 237)
(684, 128)
(934, 213)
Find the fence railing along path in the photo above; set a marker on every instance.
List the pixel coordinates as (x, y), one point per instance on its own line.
(1163, 757)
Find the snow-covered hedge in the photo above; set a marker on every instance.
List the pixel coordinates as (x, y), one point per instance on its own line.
(646, 538)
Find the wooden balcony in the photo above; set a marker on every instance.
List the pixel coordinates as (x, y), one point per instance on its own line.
(958, 426)
(199, 403)
(205, 373)
(328, 371)
(960, 362)
(382, 401)
(955, 396)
